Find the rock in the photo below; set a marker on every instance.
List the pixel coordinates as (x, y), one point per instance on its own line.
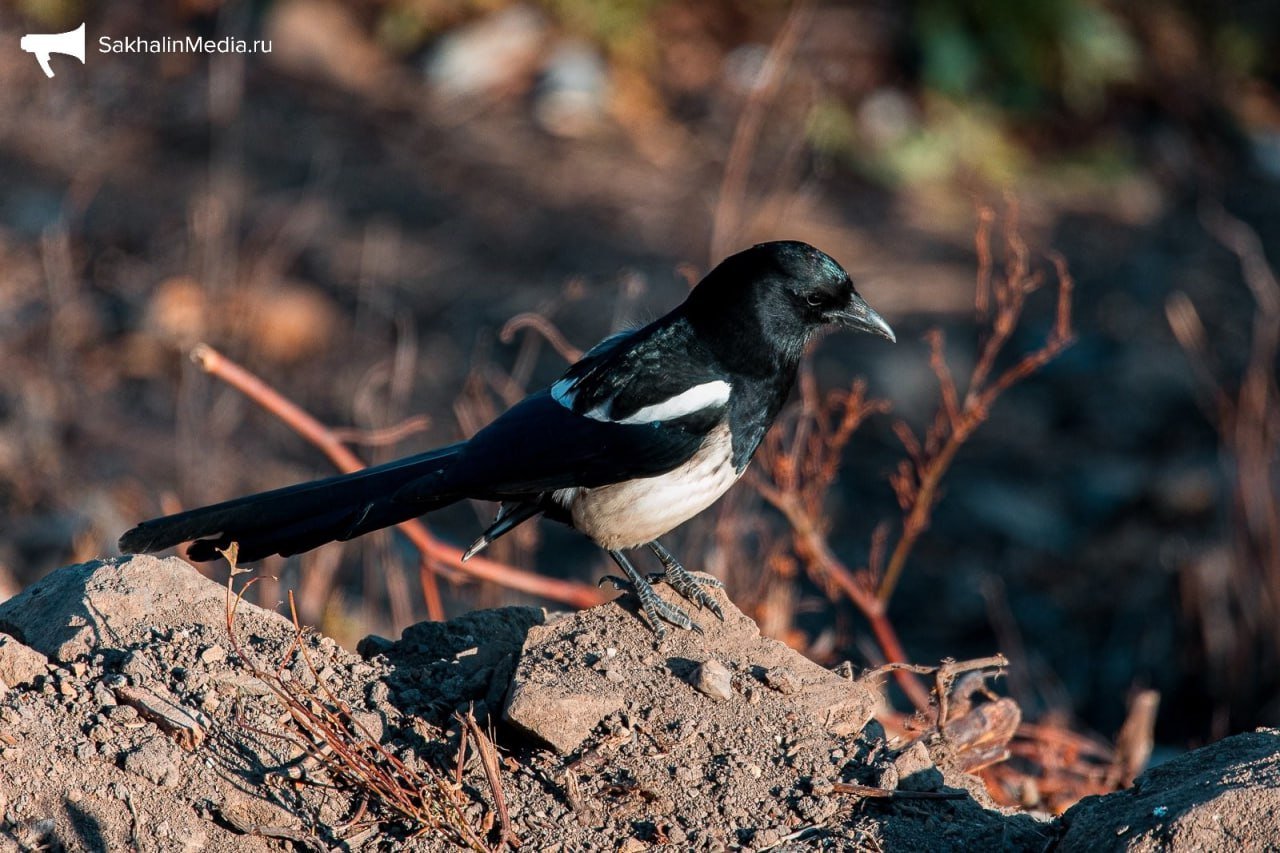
(489, 54)
(19, 663)
(249, 814)
(153, 760)
(1223, 797)
(112, 603)
(713, 679)
(916, 770)
(178, 722)
(213, 654)
(782, 680)
(559, 692)
(559, 716)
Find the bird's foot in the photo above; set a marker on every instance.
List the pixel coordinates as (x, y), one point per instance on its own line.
(689, 585)
(656, 609)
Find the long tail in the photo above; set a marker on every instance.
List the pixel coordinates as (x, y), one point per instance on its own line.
(298, 518)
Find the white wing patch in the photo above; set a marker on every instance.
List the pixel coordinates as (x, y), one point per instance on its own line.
(705, 396)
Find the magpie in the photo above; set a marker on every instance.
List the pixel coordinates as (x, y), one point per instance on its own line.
(646, 430)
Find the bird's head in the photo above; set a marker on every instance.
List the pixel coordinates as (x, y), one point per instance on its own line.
(784, 291)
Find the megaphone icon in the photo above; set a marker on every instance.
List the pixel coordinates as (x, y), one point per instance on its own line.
(43, 44)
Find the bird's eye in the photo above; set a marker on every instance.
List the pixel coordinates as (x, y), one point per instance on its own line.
(814, 299)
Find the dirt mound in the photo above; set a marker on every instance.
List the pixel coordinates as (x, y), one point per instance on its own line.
(1223, 797)
(131, 718)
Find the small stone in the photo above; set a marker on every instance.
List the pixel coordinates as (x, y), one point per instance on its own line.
(632, 845)
(153, 761)
(121, 713)
(783, 680)
(79, 668)
(916, 770)
(103, 695)
(713, 679)
(136, 667)
(766, 838)
(19, 664)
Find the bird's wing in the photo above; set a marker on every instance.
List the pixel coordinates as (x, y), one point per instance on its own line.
(538, 446)
(635, 406)
(659, 373)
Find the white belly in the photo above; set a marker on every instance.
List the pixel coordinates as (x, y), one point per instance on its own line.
(629, 514)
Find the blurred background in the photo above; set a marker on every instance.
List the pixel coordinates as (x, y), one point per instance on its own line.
(357, 215)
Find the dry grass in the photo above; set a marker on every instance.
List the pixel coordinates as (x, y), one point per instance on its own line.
(343, 754)
(1236, 611)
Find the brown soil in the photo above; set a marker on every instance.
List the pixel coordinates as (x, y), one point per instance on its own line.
(145, 730)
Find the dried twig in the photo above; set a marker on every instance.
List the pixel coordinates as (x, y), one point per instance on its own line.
(393, 434)
(895, 794)
(334, 740)
(917, 479)
(435, 553)
(1136, 738)
(726, 221)
(795, 469)
(1245, 411)
(540, 324)
(489, 762)
(799, 460)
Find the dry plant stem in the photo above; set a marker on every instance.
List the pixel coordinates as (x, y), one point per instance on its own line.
(1251, 426)
(1135, 741)
(918, 479)
(799, 464)
(946, 674)
(435, 553)
(345, 748)
(489, 762)
(727, 221)
(811, 543)
(543, 326)
(383, 437)
(887, 794)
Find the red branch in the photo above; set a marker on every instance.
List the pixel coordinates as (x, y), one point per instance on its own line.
(435, 553)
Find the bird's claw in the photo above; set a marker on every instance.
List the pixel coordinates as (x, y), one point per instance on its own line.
(687, 584)
(656, 609)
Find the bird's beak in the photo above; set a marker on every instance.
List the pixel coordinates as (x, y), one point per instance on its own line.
(861, 316)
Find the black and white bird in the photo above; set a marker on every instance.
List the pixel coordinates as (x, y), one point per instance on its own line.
(647, 430)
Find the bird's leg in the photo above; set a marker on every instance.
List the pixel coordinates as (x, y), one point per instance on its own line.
(655, 608)
(688, 585)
